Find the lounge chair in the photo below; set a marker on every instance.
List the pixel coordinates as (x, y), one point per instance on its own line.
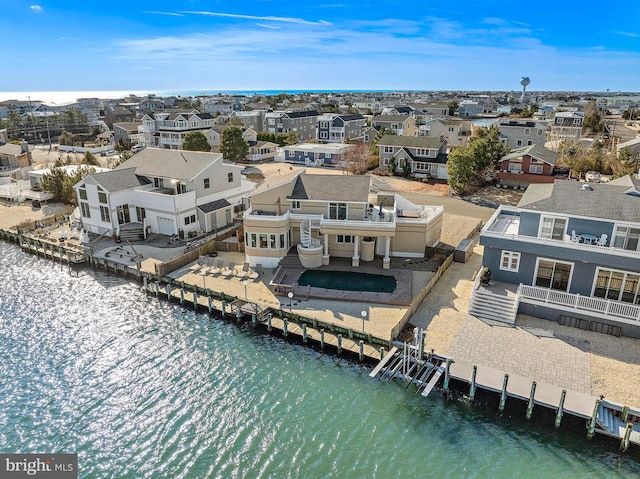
(195, 267)
(228, 271)
(244, 272)
(216, 268)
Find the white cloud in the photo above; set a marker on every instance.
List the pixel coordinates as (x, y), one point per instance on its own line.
(627, 34)
(171, 14)
(300, 21)
(35, 8)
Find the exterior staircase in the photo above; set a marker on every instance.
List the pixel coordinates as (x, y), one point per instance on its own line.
(131, 232)
(493, 307)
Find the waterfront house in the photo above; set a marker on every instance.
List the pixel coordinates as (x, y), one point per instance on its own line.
(335, 215)
(568, 250)
(162, 191)
(526, 165)
(423, 156)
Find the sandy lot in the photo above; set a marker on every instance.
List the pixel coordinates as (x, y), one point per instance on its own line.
(12, 214)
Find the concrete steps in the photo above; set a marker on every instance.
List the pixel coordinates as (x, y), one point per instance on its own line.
(486, 305)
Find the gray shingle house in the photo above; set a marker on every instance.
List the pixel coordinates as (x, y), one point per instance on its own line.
(568, 252)
(425, 157)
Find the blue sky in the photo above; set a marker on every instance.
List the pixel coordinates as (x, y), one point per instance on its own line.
(319, 45)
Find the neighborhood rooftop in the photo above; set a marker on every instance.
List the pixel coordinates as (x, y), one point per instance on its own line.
(177, 164)
(331, 188)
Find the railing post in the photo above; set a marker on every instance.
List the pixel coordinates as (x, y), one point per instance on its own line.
(531, 400)
(472, 387)
(591, 429)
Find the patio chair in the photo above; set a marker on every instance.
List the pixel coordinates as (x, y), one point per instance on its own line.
(194, 268)
(602, 241)
(244, 272)
(574, 237)
(216, 268)
(254, 273)
(228, 271)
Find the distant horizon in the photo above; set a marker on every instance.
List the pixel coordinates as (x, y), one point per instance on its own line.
(70, 96)
(284, 45)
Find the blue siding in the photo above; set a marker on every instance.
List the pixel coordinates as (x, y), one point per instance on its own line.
(593, 227)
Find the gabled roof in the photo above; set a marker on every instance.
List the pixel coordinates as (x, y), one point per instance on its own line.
(214, 205)
(616, 200)
(411, 141)
(536, 152)
(118, 179)
(176, 164)
(128, 125)
(331, 188)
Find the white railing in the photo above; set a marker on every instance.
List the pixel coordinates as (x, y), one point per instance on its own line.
(256, 214)
(603, 307)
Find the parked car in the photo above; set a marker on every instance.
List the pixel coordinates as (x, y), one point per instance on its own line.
(137, 148)
(592, 176)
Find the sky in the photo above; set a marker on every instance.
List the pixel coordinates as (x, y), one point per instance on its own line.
(161, 45)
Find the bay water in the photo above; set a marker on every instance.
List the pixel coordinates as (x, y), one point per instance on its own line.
(141, 388)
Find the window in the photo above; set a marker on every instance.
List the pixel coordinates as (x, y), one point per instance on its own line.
(388, 149)
(83, 193)
(102, 197)
(207, 183)
(552, 228)
(617, 285)
(230, 177)
(626, 238)
(338, 211)
(324, 135)
(282, 241)
(158, 182)
(295, 205)
(539, 132)
(344, 239)
(529, 142)
(536, 169)
(515, 167)
(527, 131)
(189, 219)
(84, 208)
(510, 261)
(263, 240)
(104, 214)
(385, 161)
(518, 142)
(553, 274)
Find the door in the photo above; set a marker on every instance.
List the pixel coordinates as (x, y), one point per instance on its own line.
(123, 214)
(165, 226)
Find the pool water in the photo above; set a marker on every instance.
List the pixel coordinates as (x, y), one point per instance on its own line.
(348, 281)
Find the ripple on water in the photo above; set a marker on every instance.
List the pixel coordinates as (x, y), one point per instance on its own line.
(142, 388)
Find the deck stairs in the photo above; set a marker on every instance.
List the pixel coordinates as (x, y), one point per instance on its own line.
(493, 307)
(609, 422)
(131, 232)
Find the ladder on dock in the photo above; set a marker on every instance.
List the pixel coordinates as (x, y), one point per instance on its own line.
(611, 422)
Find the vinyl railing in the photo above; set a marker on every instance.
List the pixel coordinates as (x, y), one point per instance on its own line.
(587, 304)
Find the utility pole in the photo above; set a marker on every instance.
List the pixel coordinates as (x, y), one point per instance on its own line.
(33, 122)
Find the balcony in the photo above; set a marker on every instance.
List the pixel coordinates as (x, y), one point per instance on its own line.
(505, 224)
(602, 308)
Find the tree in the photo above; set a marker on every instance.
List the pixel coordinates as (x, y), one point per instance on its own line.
(266, 136)
(466, 165)
(593, 119)
(235, 121)
(291, 138)
(623, 164)
(453, 107)
(90, 159)
(232, 145)
(124, 156)
(374, 144)
(359, 159)
(59, 182)
(195, 141)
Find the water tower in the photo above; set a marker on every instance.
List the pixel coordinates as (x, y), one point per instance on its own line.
(524, 81)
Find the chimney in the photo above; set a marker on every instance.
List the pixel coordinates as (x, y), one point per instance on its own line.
(24, 147)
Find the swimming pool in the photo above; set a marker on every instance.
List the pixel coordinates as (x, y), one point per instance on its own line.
(348, 281)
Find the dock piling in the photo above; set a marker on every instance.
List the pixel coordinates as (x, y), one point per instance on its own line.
(531, 400)
(423, 334)
(269, 327)
(209, 304)
(145, 285)
(254, 319)
(624, 414)
(503, 393)
(285, 327)
(339, 343)
(238, 315)
(361, 354)
(472, 387)
(181, 295)
(322, 339)
(624, 444)
(447, 375)
(381, 353)
(591, 429)
(304, 333)
(560, 408)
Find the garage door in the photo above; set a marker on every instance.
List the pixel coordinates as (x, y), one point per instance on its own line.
(165, 226)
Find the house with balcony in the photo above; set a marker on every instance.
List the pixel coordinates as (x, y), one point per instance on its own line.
(168, 129)
(332, 128)
(517, 133)
(421, 156)
(126, 134)
(402, 125)
(526, 165)
(214, 136)
(568, 252)
(455, 132)
(302, 122)
(162, 191)
(567, 126)
(262, 152)
(326, 216)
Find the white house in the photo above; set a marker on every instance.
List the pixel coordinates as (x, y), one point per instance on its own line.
(162, 191)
